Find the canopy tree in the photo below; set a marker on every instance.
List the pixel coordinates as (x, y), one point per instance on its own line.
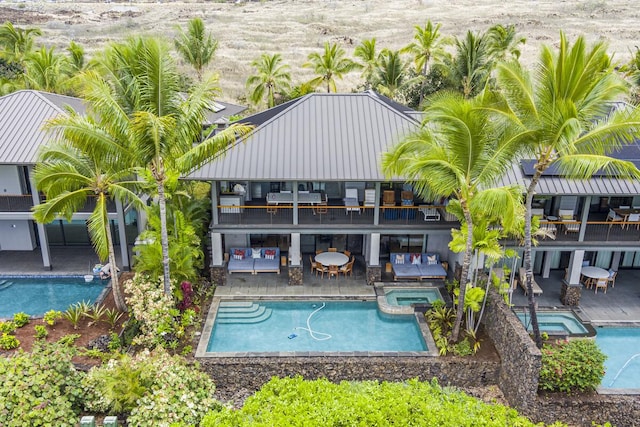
(564, 117)
(456, 153)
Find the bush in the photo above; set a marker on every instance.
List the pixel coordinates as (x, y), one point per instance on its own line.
(160, 389)
(51, 316)
(294, 401)
(40, 388)
(570, 366)
(8, 342)
(21, 319)
(41, 331)
(8, 327)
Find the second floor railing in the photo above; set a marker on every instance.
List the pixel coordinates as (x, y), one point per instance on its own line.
(24, 203)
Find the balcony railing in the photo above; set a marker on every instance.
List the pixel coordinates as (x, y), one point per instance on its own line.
(24, 203)
(596, 231)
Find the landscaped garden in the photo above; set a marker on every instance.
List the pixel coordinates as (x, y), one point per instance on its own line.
(132, 354)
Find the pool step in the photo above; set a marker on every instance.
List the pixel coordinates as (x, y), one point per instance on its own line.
(242, 312)
(5, 284)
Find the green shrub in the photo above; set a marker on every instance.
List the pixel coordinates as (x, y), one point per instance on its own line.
(8, 342)
(41, 388)
(74, 314)
(51, 316)
(570, 366)
(96, 313)
(157, 389)
(68, 340)
(41, 331)
(294, 401)
(8, 327)
(111, 316)
(21, 319)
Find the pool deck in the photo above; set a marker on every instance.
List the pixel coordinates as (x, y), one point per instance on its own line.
(619, 306)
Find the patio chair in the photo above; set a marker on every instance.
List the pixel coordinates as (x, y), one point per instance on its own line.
(314, 264)
(430, 214)
(612, 217)
(602, 284)
(347, 253)
(537, 290)
(321, 208)
(347, 268)
(321, 269)
(332, 250)
(351, 201)
(612, 278)
(334, 271)
(633, 218)
(568, 220)
(369, 198)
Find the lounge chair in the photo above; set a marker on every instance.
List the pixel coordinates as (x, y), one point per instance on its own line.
(537, 290)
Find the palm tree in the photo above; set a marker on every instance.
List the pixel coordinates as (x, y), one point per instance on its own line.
(564, 118)
(16, 42)
(471, 66)
(69, 177)
(366, 53)
(455, 154)
(139, 87)
(330, 65)
(272, 77)
(76, 57)
(427, 43)
(391, 76)
(195, 45)
(46, 70)
(504, 42)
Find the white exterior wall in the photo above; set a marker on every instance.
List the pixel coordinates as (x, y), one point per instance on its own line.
(9, 180)
(16, 235)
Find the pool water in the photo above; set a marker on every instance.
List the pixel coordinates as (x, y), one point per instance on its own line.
(620, 345)
(412, 296)
(290, 326)
(36, 296)
(554, 322)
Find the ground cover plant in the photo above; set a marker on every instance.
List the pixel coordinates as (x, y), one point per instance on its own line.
(295, 401)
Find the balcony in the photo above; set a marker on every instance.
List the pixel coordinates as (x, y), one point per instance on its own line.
(23, 203)
(596, 231)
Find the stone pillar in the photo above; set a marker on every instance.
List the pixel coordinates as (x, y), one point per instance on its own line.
(218, 270)
(295, 275)
(374, 274)
(571, 287)
(218, 275)
(570, 294)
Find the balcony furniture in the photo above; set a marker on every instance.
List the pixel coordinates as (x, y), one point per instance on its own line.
(593, 274)
(430, 213)
(327, 259)
(612, 217)
(321, 269)
(537, 290)
(254, 261)
(287, 198)
(313, 264)
(602, 284)
(612, 278)
(234, 200)
(550, 230)
(321, 208)
(334, 271)
(332, 250)
(389, 198)
(347, 253)
(417, 266)
(351, 201)
(624, 207)
(568, 221)
(347, 269)
(272, 209)
(633, 218)
(369, 198)
(319, 251)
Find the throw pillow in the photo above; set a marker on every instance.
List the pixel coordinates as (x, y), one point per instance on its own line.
(432, 260)
(238, 254)
(255, 253)
(416, 259)
(270, 254)
(399, 259)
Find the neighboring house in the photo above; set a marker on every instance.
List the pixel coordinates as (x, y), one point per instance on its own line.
(22, 117)
(331, 144)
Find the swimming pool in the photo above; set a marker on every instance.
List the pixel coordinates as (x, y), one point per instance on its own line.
(622, 347)
(554, 322)
(408, 296)
(311, 326)
(37, 295)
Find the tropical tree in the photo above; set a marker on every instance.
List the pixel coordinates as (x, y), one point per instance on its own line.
(564, 118)
(47, 71)
(16, 42)
(272, 78)
(366, 53)
(427, 44)
(470, 67)
(392, 75)
(140, 88)
(70, 176)
(76, 57)
(504, 42)
(195, 45)
(456, 153)
(329, 66)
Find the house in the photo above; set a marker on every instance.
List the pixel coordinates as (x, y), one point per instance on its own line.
(331, 144)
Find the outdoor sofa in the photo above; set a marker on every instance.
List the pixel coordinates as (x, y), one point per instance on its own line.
(417, 266)
(254, 260)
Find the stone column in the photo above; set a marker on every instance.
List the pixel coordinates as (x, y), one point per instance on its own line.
(571, 287)
(295, 275)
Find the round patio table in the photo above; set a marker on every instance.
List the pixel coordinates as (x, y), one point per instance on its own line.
(595, 272)
(332, 258)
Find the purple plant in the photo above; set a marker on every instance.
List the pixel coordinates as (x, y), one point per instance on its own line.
(187, 296)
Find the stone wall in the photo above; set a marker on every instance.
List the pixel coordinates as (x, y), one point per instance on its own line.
(218, 275)
(251, 373)
(521, 359)
(581, 410)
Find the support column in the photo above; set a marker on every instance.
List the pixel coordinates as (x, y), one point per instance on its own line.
(295, 260)
(546, 264)
(376, 208)
(217, 268)
(122, 235)
(215, 187)
(571, 290)
(374, 269)
(42, 232)
(583, 219)
(615, 261)
(295, 202)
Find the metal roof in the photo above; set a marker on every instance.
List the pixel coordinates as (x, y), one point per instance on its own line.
(556, 185)
(22, 116)
(222, 110)
(319, 137)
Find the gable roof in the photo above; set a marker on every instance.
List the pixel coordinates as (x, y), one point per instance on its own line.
(319, 137)
(22, 117)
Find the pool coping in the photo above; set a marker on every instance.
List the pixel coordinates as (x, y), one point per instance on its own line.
(591, 331)
(202, 353)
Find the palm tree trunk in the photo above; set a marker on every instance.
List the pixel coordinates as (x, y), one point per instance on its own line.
(424, 80)
(527, 258)
(118, 297)
(466, 261)
(164, 236)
